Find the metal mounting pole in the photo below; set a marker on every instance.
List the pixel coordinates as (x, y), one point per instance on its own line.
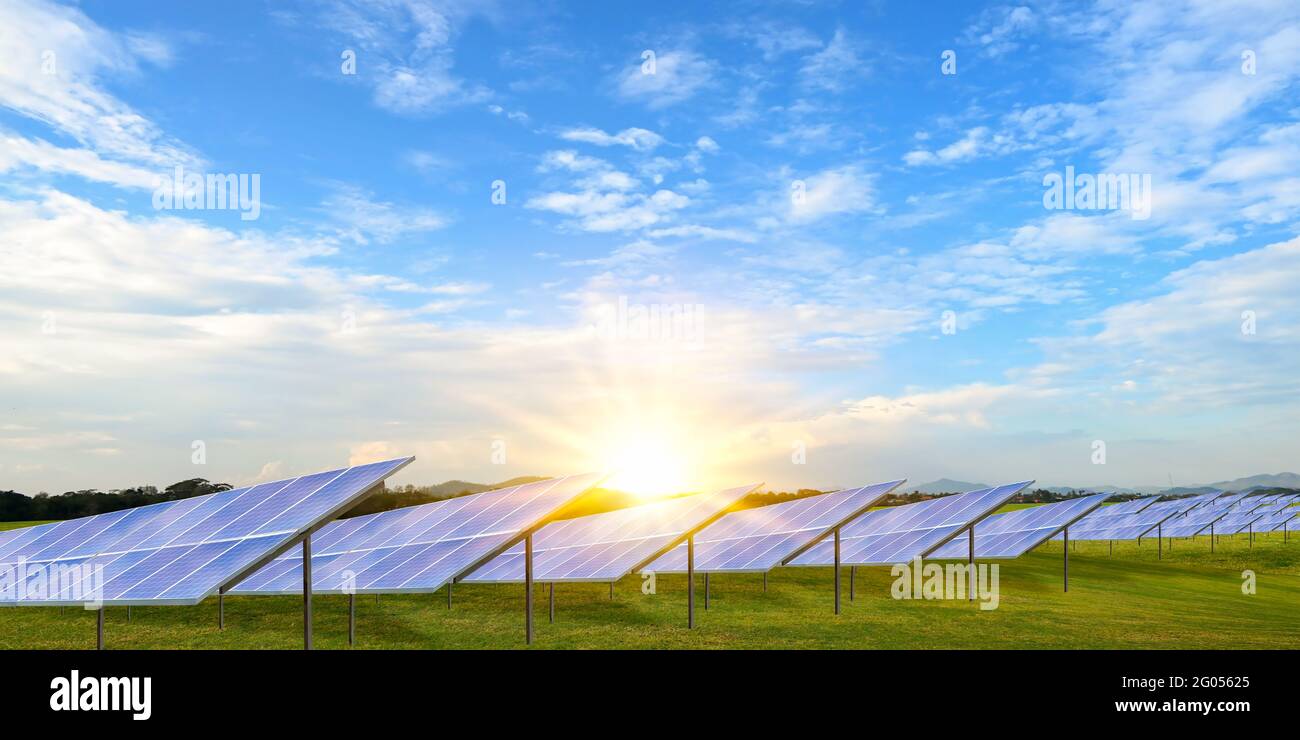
(128, 613)
(306, 592)
(221, 611)
(99, 630)
(1112, 546)
(970, 590)
(352, 619)
(1066, 579)
(837, 570)
(528, 587)
(449, 583)
(764, 581)
(690, 583)
(1250, 536)
(611, 590)
(706, 591)
(1160, 543)
(853, 576)
(1211, 538)
(552, 598)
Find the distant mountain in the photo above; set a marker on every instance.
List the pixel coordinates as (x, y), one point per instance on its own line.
(1265, 480)
(1189, 490)
(947, 485)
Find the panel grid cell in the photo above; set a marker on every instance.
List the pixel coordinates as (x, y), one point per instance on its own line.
(1014, 533)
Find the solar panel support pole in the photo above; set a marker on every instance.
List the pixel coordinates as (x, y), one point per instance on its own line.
(1160, 543)
(764, 581)
(690, 583)
(221, 611)
(611, 590)
(99, 629)
(970, 590)
(1211, 538)
(128, 613)
(528, 588)
(837, 570)
(1066, 578)
(352, 619)
(853, 576)
(306, 592)
(706, 591)
(448, 595)
(1251, 536)
(551, 596)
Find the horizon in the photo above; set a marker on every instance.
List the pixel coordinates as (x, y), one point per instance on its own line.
(813, 245)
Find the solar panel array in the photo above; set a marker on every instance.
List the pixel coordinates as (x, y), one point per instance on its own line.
(1015, 533)
(1235, 522)
(608, 546)
(1194, 522)
(1278, 520)
(1134, 526)
(419, 548)
(757, 540)
(1123, 509)
(176, 552)
(900, 533)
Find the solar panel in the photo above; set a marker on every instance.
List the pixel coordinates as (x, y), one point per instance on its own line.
(1284, 519)
(419, 549)
(1015, 533)
(1133, 526)
(900, 533)
(1123, 509)
(1233, 523)
(1194, 522)
(176, 552)
(757, 540)
(608, 546)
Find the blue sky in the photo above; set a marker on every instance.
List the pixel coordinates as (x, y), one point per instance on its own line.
(811, 175)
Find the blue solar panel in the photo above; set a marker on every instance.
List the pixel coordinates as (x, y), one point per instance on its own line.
(1123, 509)
(900, 533)
(1134, 526)
(1278, 520)
(1015, 533)
(606, 547)
(1194, 522)
(420, 548)
(176, 552)
(757, 540)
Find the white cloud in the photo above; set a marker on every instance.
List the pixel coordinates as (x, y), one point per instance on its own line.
(678, 76)
(357, 216)
(637, 138)
(17, 153)
(832, 192)
(835, 66)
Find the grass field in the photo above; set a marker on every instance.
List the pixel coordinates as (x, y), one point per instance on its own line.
(1189, 599)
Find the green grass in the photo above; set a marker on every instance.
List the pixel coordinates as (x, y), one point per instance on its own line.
(1188, 599)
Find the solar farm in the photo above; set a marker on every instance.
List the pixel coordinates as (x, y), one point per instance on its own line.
(273, 566)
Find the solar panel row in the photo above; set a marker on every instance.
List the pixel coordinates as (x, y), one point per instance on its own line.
(1014, 533)
(176, 552)
(900, 533)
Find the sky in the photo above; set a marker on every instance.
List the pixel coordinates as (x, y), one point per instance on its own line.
(812, 244)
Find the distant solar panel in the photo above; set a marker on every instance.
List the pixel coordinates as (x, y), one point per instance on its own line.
(420, 549)
(1279, 520)
(177, 552)
(1014, 533)
(606, 547)
(1133, 526)
(757, 540)
(1233, 523)
(1192, 523)
(1123, 509)
(900, 533)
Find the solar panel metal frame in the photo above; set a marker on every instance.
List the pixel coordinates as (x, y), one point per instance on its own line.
(1201, 521)
(819, 537)
(291, 539)
(676, 542)
(1019, 486)
(515, 539)
(1101, 499)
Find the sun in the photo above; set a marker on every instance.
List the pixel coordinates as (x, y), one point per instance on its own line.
(647, 465)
